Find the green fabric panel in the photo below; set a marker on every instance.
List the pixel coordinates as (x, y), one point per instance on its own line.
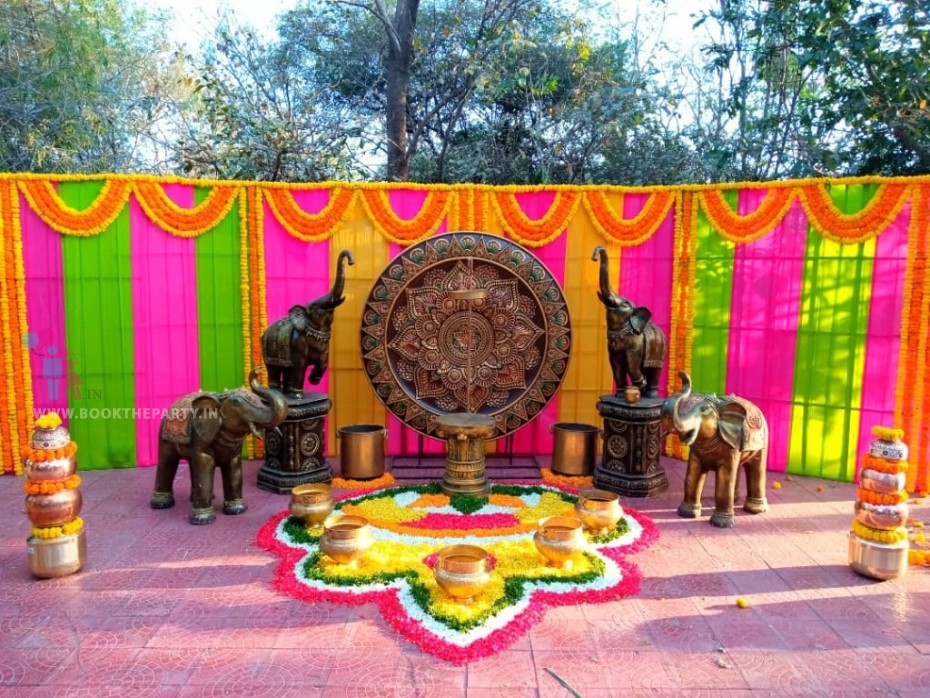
(713, 286)
(830, 357)
(99, 330)
(219, 302)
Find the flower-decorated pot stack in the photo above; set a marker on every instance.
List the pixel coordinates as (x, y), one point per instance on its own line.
(878, 544)
(56, 546)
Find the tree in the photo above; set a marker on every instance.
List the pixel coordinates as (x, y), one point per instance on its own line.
(84, 85)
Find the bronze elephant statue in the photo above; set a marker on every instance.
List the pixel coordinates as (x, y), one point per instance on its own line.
(723, 433)
(635, 345)
(292, 344)
(207, 430)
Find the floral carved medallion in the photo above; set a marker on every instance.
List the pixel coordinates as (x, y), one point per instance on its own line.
(465, 322)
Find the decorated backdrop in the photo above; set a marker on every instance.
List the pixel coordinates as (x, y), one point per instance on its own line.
(811, 298)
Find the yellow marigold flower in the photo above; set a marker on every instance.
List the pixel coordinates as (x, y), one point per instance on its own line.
(776, 485)
(742, 602)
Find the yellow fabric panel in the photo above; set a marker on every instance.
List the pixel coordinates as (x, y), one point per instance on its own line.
(354, 401)
(588, 376)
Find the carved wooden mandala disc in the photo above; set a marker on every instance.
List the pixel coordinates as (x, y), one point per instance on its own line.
(431, 348)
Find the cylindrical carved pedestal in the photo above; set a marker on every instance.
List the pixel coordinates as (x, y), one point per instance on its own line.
(465, 434)
(294, 453)
(630, 464)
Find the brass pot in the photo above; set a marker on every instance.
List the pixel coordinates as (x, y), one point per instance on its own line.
(462, 571)
(57, 469)
(311, 503)
(573, 448)
(631, 393)
(56, 557)
(598, 510)
(559, 539)
(346, 539)
(361, 451)
(53, 509)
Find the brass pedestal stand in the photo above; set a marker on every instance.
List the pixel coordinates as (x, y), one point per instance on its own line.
(295, 456)
(630, 464)
(465, 434)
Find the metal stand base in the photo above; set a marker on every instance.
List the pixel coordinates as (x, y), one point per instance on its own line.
(630, 464)
(465, 434)
(294, 454)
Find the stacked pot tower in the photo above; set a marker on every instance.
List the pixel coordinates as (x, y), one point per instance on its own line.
(56, 545)
(878, 543)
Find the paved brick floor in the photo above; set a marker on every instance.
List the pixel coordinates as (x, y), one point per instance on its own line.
(164, 609)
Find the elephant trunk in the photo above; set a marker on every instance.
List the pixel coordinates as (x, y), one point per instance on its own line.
(675, 400)
(606, 290)
(276, 409)
(335, 295)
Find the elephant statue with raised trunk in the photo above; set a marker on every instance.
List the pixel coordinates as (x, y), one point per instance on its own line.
(294, 343)
(635, 345)
(207, 430)
(723, 434)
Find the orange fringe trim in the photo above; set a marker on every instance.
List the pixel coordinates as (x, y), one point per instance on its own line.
(539, 232)
(406, 232)
(309, 227)
(627, 232)
(180, 221)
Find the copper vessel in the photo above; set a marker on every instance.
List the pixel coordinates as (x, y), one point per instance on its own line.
(311, 503)
(877, 560)
(462, 571)
(57, 469)
(599, 510)
(53, 509)
(346, 539)
(573, 448)
(57, 557)
(361, 451)
(631, 394)
(559, 539)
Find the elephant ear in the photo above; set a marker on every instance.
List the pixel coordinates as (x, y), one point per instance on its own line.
(731, 423)
(206, 418)
(299, 317)
(639, 318)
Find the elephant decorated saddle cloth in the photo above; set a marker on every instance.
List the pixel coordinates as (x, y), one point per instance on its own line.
(176, 424)
(755, 431)
(276, 344)
(654, 340)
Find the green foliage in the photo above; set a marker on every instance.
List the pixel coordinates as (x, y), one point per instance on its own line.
(466, 504)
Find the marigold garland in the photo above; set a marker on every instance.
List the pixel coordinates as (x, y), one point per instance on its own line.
(72, 482)
(891, 498)
(45, 455)
(244, 296)
(398, 230)
(535, 233)
(309, 227)
(751, 227)
(883, 465)
(346, 484)
(894, 537)
(49, 420)
(52, 532)
(854, 228)
(256, 288)
(469, 209)
(627, 232)
(8, 426)
(180, 221)
(566, 480)
(44, 200)
(887, 433)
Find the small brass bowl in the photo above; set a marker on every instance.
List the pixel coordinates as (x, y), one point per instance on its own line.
(312, 504)
(631, 393)
(598, 510)
(559, 539)
(346, 539)
(58, 469)
(53, 509)
(462, 571)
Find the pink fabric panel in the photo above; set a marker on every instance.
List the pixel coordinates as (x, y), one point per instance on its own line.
(45, 312)
(164, 298)
(536, 437)
(767, 286)
(646, 271)
(296, 272)
(884, 332)
(402, 440)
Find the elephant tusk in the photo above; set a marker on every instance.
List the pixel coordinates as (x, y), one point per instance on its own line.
(255, 432)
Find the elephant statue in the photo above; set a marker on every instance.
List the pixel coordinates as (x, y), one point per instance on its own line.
(293, 343)
(723, 433)
(207, 430)
(636, 345)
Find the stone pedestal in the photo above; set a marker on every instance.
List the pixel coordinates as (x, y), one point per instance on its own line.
(465, 434)
(630, 464)
(296, 456)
